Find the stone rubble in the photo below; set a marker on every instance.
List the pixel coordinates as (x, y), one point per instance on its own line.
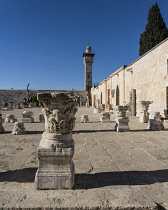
(18, 129)
(84, 118)
(27, 117)
(10, 118)
(155, 123)
(105, 117)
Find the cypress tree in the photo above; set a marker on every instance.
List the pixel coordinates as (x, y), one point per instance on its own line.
(155, 30)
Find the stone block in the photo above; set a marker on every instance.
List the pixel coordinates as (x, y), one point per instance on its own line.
(27, 117)
(10, 118)
(28, 120)
(105, 117)
(41, 118)
(84, 118)
(122, 124)
(155, 123)
(56, 168)
(18, 128)
(56, 171)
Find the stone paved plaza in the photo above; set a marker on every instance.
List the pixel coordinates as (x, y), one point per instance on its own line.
(113, 170)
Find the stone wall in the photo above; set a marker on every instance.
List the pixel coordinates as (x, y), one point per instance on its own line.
(148, 75)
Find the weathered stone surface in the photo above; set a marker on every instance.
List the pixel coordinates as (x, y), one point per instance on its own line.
(113, 170)
(155, 123)
(27, 117)
(41, 117)
(10, 118)
(84, 118)
(105, 117)
(56, 148)
(121, 119)
(122, 124)
(18, 128)
(144, 114)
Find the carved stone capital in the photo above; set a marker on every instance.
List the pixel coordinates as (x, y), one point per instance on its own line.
(120, 111)
(59, 110)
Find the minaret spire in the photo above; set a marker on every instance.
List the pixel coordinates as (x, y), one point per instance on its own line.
(88, 59)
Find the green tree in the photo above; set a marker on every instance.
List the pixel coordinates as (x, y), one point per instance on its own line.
(155, 30)
(33, 99)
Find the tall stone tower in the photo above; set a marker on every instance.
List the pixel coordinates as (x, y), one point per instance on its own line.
(88, 58)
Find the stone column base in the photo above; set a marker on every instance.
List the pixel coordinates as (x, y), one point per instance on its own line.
(56, 168)
(51, 178)
(122, 124)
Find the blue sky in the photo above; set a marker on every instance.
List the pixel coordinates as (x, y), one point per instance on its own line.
(42, 41)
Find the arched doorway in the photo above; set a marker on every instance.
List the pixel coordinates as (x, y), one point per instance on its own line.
(117, 96)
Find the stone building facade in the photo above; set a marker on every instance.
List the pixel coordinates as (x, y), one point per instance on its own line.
(146, 79)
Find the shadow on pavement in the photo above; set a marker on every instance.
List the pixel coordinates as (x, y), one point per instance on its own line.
(98, 180)
(91, 131)
(34, 132)
(109, 130)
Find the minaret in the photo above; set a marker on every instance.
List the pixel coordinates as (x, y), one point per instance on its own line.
(88, 58)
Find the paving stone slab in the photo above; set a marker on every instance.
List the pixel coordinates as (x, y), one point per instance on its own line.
(127, 170)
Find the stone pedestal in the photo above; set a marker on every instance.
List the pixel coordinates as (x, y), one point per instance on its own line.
(122, 124)
(121, 119)
(155, 123)
(18, 128)
(56, 148)
(144, 115)
(105, 117)
(1, 126)
(96, 110)
(84, 118)
(56, 168)
(41, 118)
(10, 118)
(27, 117)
